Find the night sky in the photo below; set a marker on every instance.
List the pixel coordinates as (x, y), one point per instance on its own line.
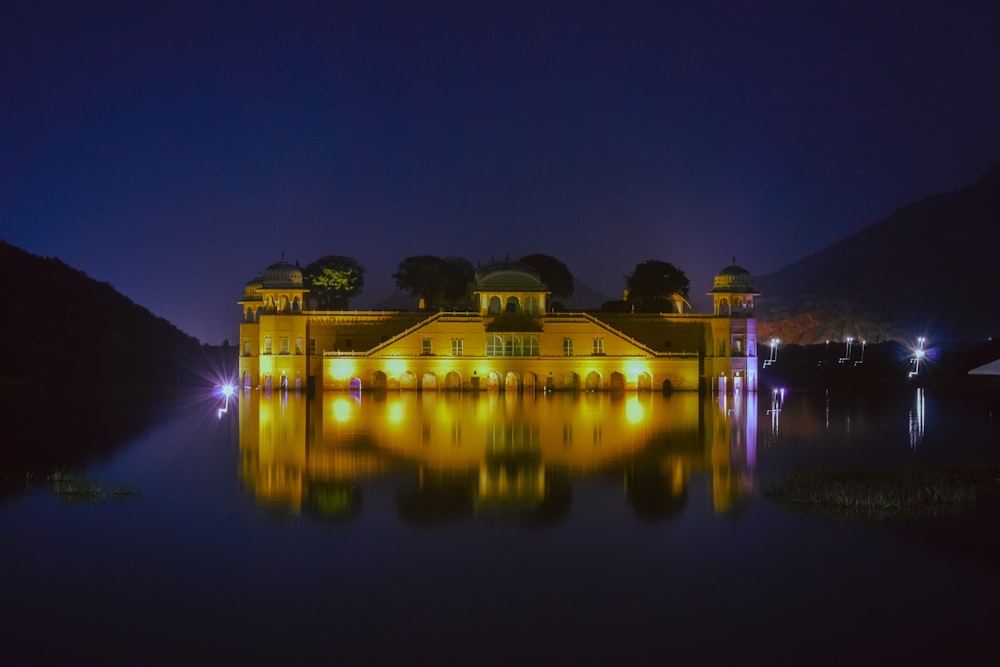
(176, 149)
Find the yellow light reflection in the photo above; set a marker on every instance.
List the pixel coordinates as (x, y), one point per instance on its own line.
(396, 413)
(342, 409)
(634, 412)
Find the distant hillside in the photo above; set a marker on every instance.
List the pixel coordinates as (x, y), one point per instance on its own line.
(62, 328)
(924, 270)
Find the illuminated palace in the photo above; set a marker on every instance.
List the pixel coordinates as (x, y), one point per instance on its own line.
(510, 341)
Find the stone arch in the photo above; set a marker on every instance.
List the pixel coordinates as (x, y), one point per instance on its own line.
(407, 380)
(379, 380)
(512, 382)
(530, 383)
(571, 381)
(668, 386)
(453, 381)
(495, 307)
(616, 382)
(513, 305)
(355, 384)
(493, 382)
(644, 382)
(593, 381)
(429, 381)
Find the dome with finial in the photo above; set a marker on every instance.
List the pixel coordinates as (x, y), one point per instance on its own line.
(508, 276)
(282, 275)
(734, 279)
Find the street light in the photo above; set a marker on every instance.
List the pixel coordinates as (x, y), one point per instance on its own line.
(774, 352)
(918, 355)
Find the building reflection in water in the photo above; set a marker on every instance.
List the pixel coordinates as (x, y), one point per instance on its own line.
(917, 420)
(453, 456)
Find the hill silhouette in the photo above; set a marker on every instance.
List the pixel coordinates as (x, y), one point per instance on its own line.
(923, 271)
(63, 328)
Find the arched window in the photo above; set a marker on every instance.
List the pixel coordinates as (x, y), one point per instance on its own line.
(513, 305)
(494, 307)
(513, 348)
(494, 346)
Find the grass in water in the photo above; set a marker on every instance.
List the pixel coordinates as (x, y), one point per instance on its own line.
(885, 492)
(74, 487)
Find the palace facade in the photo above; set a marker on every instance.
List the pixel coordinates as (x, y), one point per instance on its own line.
(511, 340)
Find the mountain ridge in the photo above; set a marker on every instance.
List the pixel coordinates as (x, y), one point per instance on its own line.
(70, 329)
(916, 272)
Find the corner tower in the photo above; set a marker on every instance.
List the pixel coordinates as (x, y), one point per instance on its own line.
(273, 331)
(733, 291)
(733, 330)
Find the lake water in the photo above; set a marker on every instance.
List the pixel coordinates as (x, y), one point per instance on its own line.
(501, 529)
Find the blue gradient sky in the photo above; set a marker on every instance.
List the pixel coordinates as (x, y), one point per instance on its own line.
(176, 149)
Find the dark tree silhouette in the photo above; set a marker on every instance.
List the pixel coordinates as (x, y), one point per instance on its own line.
(652, 284)
(439, 282)
(553, 273)
(334, 280)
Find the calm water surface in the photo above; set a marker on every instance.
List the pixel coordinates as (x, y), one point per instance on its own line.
(488, 529)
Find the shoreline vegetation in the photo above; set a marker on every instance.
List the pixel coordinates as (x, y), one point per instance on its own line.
(72, 486)
(886, 492)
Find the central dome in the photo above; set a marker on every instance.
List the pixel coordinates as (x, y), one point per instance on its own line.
(509, 277)
(282, 274)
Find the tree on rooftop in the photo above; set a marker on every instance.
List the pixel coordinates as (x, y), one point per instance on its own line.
(553, 273)
(652, 285)
(438, 282)
(334, 280)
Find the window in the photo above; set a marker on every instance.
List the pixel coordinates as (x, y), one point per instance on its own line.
(531, 305)
(298, 345)
(312, 346)
(267, 345)
(530, 346)
(494, 346)
(722, 348)
(737, 346)
(513, 347)
(425, 347)
(457, 347)
(598, 346)
(567, 347)
(284, 344)
(246, 348)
